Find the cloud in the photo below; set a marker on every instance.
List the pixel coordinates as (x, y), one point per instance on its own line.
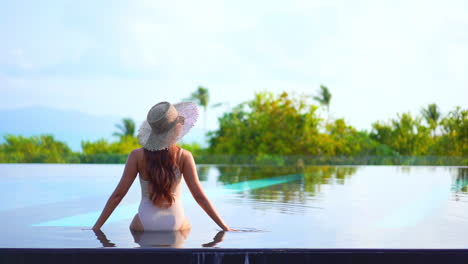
(377, 58)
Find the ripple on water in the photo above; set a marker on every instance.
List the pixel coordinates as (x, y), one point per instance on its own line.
(248, 229)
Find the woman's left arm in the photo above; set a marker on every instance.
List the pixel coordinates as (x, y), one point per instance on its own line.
(129, 175)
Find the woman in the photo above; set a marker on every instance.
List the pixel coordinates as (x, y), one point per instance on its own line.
(161, 165)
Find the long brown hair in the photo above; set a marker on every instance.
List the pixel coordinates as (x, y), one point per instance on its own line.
(160, 165)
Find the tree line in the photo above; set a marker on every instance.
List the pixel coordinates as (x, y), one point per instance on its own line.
(281, 129)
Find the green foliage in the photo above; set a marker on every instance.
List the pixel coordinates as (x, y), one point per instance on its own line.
(324, 97)
(268, 124)
(102, 146)
(195, 148)
(273, 129)
(287, 125)
(201, 96)
(301, 160)
(281, 130)
(431, 114)
(454, 140)
(102, 151)
(345, 140)
(108, 158)
(35, 149)
(127, 129)
(406, 135)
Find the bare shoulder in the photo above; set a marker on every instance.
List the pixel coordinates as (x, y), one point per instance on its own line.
(185, 154)
(138, 152)
(185, 157)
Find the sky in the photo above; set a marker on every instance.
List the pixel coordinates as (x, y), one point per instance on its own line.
(378, 58)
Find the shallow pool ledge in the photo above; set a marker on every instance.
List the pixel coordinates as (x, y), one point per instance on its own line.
(230, 255)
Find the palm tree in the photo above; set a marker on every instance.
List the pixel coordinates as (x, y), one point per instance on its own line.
(219, 104)
(432, 114)
(128, 128)
(324, 98)
(201, 97)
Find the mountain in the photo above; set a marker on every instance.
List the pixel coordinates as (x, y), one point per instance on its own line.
(69, 126)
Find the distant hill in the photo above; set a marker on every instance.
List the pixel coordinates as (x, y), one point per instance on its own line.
(69, 126)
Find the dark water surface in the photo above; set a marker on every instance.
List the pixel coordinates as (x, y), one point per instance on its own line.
(52, 205)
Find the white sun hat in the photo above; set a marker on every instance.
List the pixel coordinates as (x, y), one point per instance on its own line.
(158, 132)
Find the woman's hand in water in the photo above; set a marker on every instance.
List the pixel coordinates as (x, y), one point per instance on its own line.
(94, 228)
(230, 229)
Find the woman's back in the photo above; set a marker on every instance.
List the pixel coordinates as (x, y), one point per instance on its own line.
(165, 124)
(154, 218)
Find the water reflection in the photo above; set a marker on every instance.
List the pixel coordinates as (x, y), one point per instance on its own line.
(460, 184)
(313, 206)
(202, 172)
(103, 239)
(296, 191)
(159, 239)
(461, 180)
(169, 239)
(216, 239)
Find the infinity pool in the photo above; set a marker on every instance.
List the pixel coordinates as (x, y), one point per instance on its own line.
(52, 205)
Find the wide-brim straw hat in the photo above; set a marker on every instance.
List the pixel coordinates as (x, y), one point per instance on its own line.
(158, 132)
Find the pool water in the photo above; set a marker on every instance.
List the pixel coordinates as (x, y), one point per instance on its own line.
(55, 205)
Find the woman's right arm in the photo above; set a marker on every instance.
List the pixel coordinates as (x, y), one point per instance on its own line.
(189, 172)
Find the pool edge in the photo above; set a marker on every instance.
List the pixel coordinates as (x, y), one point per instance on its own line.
(231, 255)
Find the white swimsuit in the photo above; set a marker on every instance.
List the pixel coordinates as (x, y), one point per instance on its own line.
(154, 218)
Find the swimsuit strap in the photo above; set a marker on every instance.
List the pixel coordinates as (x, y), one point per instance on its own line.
(180, 155)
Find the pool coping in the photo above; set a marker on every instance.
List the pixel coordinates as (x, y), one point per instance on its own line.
(232, 255)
